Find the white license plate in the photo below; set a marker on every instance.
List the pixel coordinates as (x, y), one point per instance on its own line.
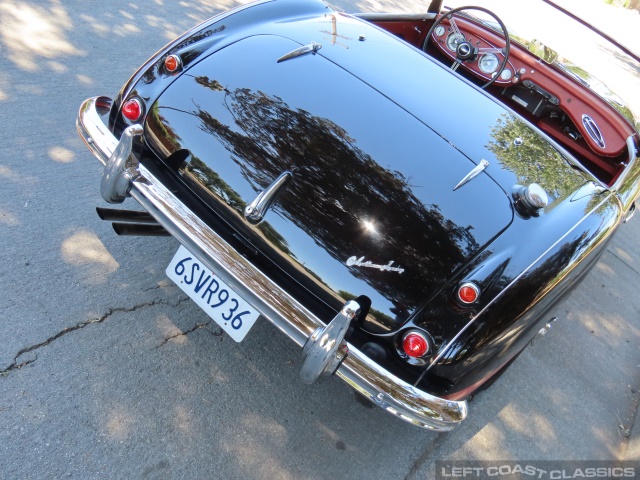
(232, 313)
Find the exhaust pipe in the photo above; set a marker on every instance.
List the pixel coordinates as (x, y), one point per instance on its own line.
(145, 230)
(132, 222)
(118, 215)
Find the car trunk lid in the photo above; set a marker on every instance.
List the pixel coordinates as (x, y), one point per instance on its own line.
(370, 208)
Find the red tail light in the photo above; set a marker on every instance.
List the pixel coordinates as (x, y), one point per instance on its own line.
(132, 109)
(415, 345)
(468, 293)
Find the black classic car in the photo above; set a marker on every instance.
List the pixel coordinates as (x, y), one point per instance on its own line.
(404, 196)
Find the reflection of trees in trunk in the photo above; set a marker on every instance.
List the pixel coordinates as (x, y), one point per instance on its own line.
(166, 135)
(335, 189)
(213, 183)
(535, 161)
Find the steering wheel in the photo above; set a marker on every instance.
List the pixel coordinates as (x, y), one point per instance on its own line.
(465, 50)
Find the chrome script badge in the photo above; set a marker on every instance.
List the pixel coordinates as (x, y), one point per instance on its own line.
(360, 262)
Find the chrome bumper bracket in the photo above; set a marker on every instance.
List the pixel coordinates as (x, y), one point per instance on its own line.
(121, 168)
(324, 350)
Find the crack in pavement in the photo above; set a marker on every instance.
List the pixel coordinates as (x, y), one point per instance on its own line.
(434, 444)
(15, 365)
(626, 429)
(157, 287)
(197, 326)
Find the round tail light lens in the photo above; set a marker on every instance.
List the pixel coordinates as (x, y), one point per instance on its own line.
(132, 109)
(172, 63)
(468, 293)
(415, 345)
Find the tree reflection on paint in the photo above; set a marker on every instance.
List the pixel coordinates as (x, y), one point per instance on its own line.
(535, 161)
(336, 189)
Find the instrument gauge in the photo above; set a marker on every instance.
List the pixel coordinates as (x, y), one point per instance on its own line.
(488, 63)
(440, 30)
(453, 40)
(506, 74)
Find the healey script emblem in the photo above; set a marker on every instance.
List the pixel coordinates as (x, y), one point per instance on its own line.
(361, 262)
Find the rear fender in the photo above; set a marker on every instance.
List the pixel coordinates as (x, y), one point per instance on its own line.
(503, 327)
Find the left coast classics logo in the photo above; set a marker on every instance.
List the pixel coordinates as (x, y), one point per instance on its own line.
(361, 262)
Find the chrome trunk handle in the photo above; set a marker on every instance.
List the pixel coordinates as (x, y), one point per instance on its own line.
(256, 210)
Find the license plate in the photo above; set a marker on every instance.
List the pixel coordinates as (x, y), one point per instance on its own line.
(223, 305)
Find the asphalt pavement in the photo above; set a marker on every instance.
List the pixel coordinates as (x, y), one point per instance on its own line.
(108, 371)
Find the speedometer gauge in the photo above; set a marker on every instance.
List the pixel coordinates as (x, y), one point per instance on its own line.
(453, 40)
(488, 63)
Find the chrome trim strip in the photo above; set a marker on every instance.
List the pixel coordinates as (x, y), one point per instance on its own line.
(382, 17)
(626, 186)
(367, 377)
(633, 158)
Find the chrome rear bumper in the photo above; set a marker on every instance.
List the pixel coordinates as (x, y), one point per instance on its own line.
(126, 176)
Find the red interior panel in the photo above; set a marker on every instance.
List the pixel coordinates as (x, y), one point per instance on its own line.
(606, 161)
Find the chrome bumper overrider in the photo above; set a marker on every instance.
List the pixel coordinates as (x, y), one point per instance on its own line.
(125, 176)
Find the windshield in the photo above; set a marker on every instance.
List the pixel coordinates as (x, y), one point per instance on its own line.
(581, 53)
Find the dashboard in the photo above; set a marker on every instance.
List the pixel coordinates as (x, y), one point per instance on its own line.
(540, 87)
(556, 102)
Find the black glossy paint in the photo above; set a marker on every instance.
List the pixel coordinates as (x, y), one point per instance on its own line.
(374, 190)
(383, 146)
